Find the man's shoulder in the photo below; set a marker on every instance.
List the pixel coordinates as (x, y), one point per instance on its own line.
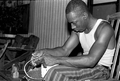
(104, 25)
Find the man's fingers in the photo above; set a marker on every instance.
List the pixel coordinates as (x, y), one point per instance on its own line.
(39, 54)
(38, 60)
(35, 53)
(34, 60)
(44, 64)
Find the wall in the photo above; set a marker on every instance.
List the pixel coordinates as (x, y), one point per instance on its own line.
(102, 10)
(50, 23)
(102, 1)
(32, 16)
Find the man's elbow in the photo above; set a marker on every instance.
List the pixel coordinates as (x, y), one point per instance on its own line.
(87, 65)
(91, 63)
(65, 51)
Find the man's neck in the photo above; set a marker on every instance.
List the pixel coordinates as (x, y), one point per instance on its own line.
(91, 22)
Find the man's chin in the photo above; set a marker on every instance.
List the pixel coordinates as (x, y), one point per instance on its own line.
(77, 31)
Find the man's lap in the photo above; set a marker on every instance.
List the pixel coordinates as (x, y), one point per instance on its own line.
(64, 73)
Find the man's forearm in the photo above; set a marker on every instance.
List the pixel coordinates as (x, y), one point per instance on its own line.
(59, 51)
(79, 62)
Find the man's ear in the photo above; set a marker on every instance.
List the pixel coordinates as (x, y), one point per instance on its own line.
(85, 15)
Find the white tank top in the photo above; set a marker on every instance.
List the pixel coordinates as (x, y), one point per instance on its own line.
(87, 41)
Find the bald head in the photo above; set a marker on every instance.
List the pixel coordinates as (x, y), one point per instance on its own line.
(76, 6)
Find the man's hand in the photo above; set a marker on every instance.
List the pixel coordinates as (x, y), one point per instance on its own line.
(42, 57)
(36, 57)
(50, 60)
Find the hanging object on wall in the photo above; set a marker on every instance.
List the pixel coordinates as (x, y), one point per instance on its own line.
(14, 16)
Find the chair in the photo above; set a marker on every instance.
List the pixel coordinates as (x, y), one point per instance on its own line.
(114, 19)
(3, 46)
(19, 51)
(17, 43)
(23, 50)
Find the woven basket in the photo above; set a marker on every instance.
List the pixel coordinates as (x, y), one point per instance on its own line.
(33, 74)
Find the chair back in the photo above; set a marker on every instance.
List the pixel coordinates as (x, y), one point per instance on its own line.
(114, 20)
(3, 48)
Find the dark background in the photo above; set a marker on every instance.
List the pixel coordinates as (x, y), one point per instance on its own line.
(14, 17)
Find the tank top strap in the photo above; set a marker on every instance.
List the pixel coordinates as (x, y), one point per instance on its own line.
(97, 24)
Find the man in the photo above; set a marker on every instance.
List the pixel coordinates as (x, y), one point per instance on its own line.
(97, 40)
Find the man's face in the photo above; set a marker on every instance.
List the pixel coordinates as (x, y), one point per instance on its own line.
(77, 21)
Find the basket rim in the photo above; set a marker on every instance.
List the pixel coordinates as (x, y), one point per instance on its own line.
(28, 74)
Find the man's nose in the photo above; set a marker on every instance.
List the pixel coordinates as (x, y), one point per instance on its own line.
(73, 26)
